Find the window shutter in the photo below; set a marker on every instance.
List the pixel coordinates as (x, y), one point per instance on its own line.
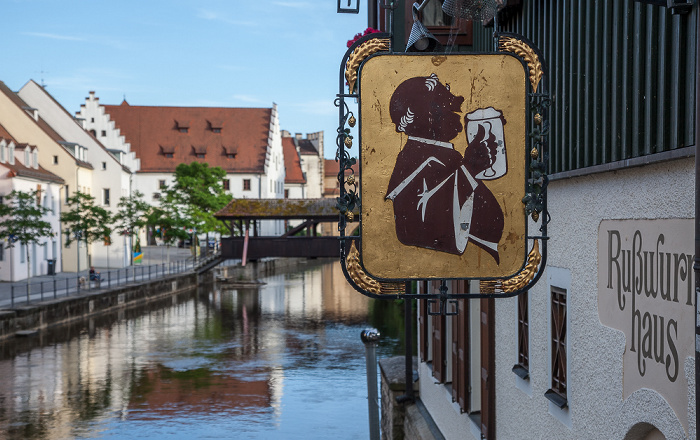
(423, 324)
(488, 368)
(460, 356)
(439, 347)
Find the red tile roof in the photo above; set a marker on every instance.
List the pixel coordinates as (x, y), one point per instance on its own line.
(19, 102)
(307, 147)
(292, 164)
(20, 170)
(157, 132)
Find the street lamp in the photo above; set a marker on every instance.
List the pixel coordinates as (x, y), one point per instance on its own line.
(12, 239)
(78, 235)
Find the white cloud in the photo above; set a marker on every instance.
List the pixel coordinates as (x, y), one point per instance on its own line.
(248, 98)
(295, 5)
(53, 36)
(215, 16)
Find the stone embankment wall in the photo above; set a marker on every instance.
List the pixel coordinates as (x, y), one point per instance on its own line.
(40, 315)
(403, 420)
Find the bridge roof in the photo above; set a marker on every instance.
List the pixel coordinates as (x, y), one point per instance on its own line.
(287, 209)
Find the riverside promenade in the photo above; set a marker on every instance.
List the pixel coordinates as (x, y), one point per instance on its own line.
(155, 258)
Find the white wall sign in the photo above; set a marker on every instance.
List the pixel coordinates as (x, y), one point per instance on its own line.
(646, 289)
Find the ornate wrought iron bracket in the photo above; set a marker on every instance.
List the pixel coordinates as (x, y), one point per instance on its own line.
(534, 202)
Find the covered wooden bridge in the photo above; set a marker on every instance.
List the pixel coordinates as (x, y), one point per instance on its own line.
(241, 216)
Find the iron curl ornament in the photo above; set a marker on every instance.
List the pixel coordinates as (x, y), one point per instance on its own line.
(432, 205)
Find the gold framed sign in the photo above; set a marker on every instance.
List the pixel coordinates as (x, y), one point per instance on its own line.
(443, 151)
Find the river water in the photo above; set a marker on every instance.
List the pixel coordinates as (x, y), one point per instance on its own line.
(282, 361)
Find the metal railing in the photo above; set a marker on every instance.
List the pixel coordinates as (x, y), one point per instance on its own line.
(81, 283)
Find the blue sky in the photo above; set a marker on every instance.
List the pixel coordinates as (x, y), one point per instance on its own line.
(223, 53)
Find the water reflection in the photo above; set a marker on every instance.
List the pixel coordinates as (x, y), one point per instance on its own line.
(280, 361)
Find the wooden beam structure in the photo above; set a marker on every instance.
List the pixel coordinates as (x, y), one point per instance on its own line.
(301, 241)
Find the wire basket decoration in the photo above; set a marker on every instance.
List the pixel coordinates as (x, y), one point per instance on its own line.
(470, 9)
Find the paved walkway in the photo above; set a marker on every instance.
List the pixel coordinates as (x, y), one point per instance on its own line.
(66, 283)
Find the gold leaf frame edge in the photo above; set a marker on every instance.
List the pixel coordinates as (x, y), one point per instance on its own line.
(528, 54)
(358, 55)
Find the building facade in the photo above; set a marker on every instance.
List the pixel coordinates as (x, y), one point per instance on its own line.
(66, 160)
(245, 142)
(603, 346)
(20, 171)
(111, 176)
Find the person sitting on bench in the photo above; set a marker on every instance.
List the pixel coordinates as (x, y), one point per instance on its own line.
(94, 276)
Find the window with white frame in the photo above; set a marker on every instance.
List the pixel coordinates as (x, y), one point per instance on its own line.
(105, 196)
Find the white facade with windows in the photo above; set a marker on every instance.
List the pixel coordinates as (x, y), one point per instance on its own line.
(266, 184)
(109, 179)
(20, 171)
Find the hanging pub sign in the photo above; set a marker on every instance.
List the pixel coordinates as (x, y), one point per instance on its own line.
(451, 174)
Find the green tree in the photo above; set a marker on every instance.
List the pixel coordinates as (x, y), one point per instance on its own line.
(199, 190)
(170, 225)
(85, 221)
(24, 221)
(132, 216)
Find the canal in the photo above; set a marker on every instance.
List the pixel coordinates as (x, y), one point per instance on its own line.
(280, 361)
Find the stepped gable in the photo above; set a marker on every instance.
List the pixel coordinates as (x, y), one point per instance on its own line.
(292, 163)
(235, 139)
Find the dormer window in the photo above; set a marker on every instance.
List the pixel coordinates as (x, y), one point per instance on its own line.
(182, 126)
(35, 159)
(3, 148)
(215, 126)
(199, 152)
(12, 154)
(168, 151)
(230, 152)
(26, 157)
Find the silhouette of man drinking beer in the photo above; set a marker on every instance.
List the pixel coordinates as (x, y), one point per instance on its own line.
(439, 198)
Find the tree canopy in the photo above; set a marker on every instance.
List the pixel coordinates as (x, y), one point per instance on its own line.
(84, 220)
(198, 189)
(24, 219)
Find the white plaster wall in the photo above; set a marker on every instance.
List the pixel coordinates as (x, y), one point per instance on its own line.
(296, 190)
(312, 167)
(12, 268)
(108, 173)
(94, 118)
(596, 408)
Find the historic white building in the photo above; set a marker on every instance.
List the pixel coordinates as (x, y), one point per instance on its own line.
(245, 142)
(112, 169)
(20, 171)
(64, 159)
(603, 346)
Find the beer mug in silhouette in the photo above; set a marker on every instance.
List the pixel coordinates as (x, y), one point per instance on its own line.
(484, 129)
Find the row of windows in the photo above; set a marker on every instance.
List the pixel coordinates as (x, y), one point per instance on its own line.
(7, 153)
(226, 184)
(23, 252)
(460, 348)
